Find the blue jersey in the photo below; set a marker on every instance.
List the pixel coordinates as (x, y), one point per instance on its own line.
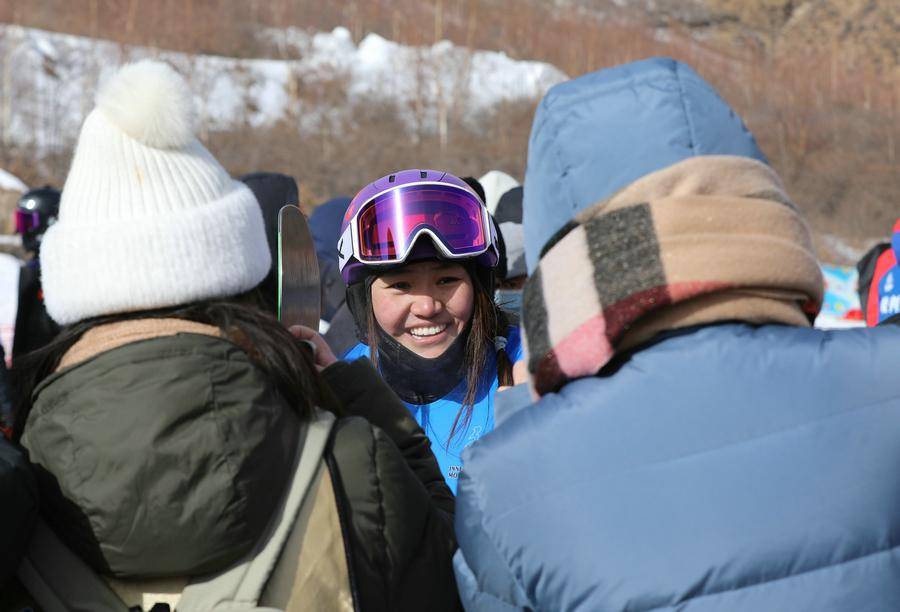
(437, 417)
(889, 294)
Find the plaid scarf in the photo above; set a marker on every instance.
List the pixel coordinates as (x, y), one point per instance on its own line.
(709, 239)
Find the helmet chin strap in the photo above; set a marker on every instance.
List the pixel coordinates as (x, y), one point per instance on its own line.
(358, 303)
(421, 380)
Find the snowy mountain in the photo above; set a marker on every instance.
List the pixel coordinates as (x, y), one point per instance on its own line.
(10, 182)
(50, 85)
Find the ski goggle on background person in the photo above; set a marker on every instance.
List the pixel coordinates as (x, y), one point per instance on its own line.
(383, 229)
(27, 221)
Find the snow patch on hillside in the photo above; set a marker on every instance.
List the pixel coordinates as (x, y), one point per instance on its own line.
(381, 67)
(10, 182)
(51, 88)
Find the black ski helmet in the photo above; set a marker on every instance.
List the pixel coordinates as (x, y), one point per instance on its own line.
(36, 210)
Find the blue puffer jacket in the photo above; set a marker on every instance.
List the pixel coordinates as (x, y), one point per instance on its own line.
(731, 468)
(720, 467)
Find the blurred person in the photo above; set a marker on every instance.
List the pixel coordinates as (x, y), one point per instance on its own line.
(10, 271)
(879, 281)
(508, 293)
(18, 512)
(7, 413)
(341, 334)
(495, 183)
(514, 272)
(325, 226)
(476, 186)
(501, 270)
(273, 191)
(693, 443)
(35, 212)
(865, 271)
(337, 323)
(417, 252)
(186, 444)
(509, 208)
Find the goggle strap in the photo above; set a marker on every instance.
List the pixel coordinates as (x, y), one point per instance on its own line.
(347, 246)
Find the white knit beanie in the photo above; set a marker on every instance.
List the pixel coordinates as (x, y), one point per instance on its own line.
(148, 218)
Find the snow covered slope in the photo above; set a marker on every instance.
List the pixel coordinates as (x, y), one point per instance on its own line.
(10, 182)
(49, 80)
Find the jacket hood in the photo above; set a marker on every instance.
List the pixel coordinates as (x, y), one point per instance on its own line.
(596, 134)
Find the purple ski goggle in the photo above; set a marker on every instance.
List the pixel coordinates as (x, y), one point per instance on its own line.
(384, 229)
(26, 221)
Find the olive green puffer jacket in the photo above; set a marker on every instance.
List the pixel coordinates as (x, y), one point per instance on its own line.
(164, 454)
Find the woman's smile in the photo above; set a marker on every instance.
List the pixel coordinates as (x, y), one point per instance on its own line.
(429, 332)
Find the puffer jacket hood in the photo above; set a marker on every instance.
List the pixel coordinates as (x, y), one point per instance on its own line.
(163, 457)
(596, 134)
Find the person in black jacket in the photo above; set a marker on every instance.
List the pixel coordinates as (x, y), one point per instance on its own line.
(273, 191)
(7, 414)
(182, 404)
(17, 511)
(325, 225)
(879, 277)
(35, 212)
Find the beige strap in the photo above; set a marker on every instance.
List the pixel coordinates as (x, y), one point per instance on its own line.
(312, 572)
(108, 337)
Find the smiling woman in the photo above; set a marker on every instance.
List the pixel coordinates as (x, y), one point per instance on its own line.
(417, 251)
(425, 306)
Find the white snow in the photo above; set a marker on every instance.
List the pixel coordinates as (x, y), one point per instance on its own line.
(46, 48)
(46, 97)
(10, 182)
(9, 303)
(435, 79)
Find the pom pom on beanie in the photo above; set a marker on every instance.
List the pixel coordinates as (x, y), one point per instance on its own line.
(150, 102)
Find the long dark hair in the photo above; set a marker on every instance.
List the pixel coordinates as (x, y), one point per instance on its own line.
(242, 320)
(488, 322)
